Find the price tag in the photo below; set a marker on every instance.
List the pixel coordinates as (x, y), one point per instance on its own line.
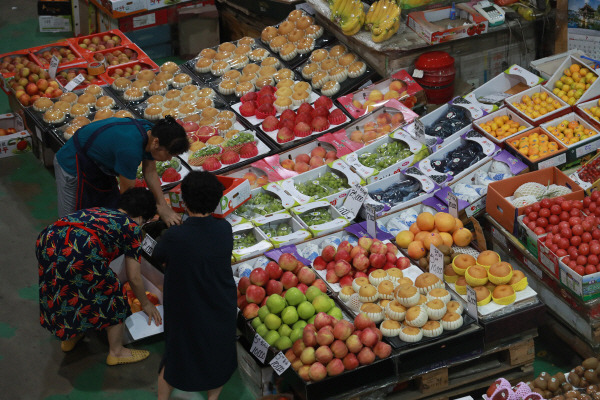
(280, 363)
(476, 207)
(436, 262)
(452, 204)
(588, 148)
(53, 67)
(553, 162)
(259, 348)
(354, 201)
(417, 73)
(472, 302)
(148, 245)
(74, 83)
(371, 221)
(419, 129)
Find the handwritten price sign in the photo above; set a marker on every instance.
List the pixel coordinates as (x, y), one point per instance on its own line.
(148, 245)
(353, 203)
(472, 303)
(259, 348)
(280, 363)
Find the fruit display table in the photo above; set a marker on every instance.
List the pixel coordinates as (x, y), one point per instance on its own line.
(581, 317)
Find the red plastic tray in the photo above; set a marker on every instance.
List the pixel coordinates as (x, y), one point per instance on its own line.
(146, 63)
(39, 50)
(114, 32)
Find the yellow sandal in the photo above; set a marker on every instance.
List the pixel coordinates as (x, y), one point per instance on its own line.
(136, 356)
(69, 344)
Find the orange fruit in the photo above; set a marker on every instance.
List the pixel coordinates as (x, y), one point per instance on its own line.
(447, 238)
(433, 239)
(421, 235)
(404, 238)
(416, 250)
(462, 237)
(414, 228)
(457, 226)
(444, 222)
(425, 221)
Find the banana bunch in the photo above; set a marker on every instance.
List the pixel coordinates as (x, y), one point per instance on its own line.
(383, 20)
(349, 15)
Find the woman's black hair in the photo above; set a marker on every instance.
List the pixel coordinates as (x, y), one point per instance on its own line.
(171, 136)
(201, 192)
(138, 202)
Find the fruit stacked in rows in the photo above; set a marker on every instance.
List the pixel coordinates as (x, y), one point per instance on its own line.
(316, 216)
(348, 262)
(100, 42)
(382, 125)
(329, 347)
(573, 83)
(68, 75)
(396, 90)
(590, 172)
(276, 279)
(134, 302)
(325, 185)
(64, 54)
(538, 105)
(385, 155)
(439, 229)
(129, 71)
(594, 111)
(570, 132)
(31, 82)
(348, 15)
(535, 146)
(262, 203)
(383, 20)
(305, 162)
(502, 127)
(211, 157)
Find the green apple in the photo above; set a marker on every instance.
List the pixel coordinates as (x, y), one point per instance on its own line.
(306, 310)
(272, 322)
(263, 312)
(300, 323)
(275, 303)
(313, 292)
(271, 337)
(336, 313)
(289, 315)
(262, 330)
(293, 296)
(311, 320)
(296, 334)
(283, 343)
(332, 302)
(284, 330)
(322, 303)
(256, 322)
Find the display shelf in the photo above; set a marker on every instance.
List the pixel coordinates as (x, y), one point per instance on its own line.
(581, 317)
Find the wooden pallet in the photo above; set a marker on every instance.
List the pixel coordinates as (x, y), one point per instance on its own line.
(512, 361)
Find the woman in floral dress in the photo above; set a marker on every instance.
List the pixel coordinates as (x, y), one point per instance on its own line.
(78, 291)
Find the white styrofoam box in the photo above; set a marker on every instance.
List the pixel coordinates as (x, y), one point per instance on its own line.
(592, 92)
(501, 112)
(373, 174)
(382, 222)
(587, 105)
(273, 189)
(337, 167)
(593, 141)
(489, 149)
(583, 184)
(542, 118)
(501, 83)
(338, 222)
(260, 247)
(548, 65)
(428, 187)
(298, 235)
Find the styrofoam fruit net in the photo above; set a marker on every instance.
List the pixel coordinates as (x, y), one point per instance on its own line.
(465, 250)
(530, 189)
(354, 303)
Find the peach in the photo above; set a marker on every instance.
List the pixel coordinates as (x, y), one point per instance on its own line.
(303, 372)
(259, 277)
(383, 119)
(356, 136)
(365, 356)
(382, 350)
(361, 262)
(289, 279)
(288, 262)
(255, 294)
(377, 260)
(321, 285)
(354, 344)
(335, 367)
(288, 164)
(318, 152)
(319, 264)
(362, 321)
(350, 361)
(301, 167)
(339, 349)
(365, 243)
(343, 329)
(398, 86)
(317, 372)
(305, 158)
(342, 255)
(329, 253)
(323, 320)
(308, 355)
(342, 268)
(297, 365)
(316, 162)
(378, 247)
(357, 250)
(331, 155)
(251, 311)
(368, 337)
(289, 354)
(299, 345)
(370, 136)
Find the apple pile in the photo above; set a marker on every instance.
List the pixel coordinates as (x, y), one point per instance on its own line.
(305, 162)
(32, 82)
(64, 55)
(128, 71)
(9, 63)
(348, 262)
(67, 75)
(100, 42)
(329, 347)
(117, 57)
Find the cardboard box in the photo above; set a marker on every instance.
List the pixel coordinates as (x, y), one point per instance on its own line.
(412, 94)
(564, 109)
(423, 23)
(505, 213)
(576, 152)
(592, 92)
(512, 81)
(256, 377)
(55, 23)
(54, 7)
(16, 143)
(556, 159)
(585, 287)
(237, 192)
(274, 161)
(198, 28)
(501, 112)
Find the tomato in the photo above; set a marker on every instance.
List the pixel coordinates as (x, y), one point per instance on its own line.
(584, 249)
(536, 207)
(595, 248)
(555, 229)
(539, 231)
(586, 202)
(559, 252)
(531, 225)
(581, 260)
(566, 233)
(554, 219)
(590, 269)
(587, 225)
(575, 221)
(555, 238)
(555, 209)
(545, 212)
(528, 209)
(578, 205)
(580, 270)
(595, 195)
(566, 205)
(572, 264)
(554, 248)
(546, 203)
(573, 253)
(592, 207)
(575, 240)
(559, 200)
(567, 259)
(526, 220)
(533, 216)
(596, 233)
(586, 237)
(564, 216)
(598, 268)
(564, 225)
(541, 221)
(575, 212)
(577, 230)
(593, 259)
(563, 243)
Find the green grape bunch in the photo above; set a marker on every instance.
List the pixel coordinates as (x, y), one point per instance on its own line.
(243, 240)
(240, 138)
(261, 204)
(385, 155)
(316, 217)
(272, 230)
(325, 185)
(207, 151)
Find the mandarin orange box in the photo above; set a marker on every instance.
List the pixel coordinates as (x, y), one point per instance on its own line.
(556, 159)
(505, 213)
